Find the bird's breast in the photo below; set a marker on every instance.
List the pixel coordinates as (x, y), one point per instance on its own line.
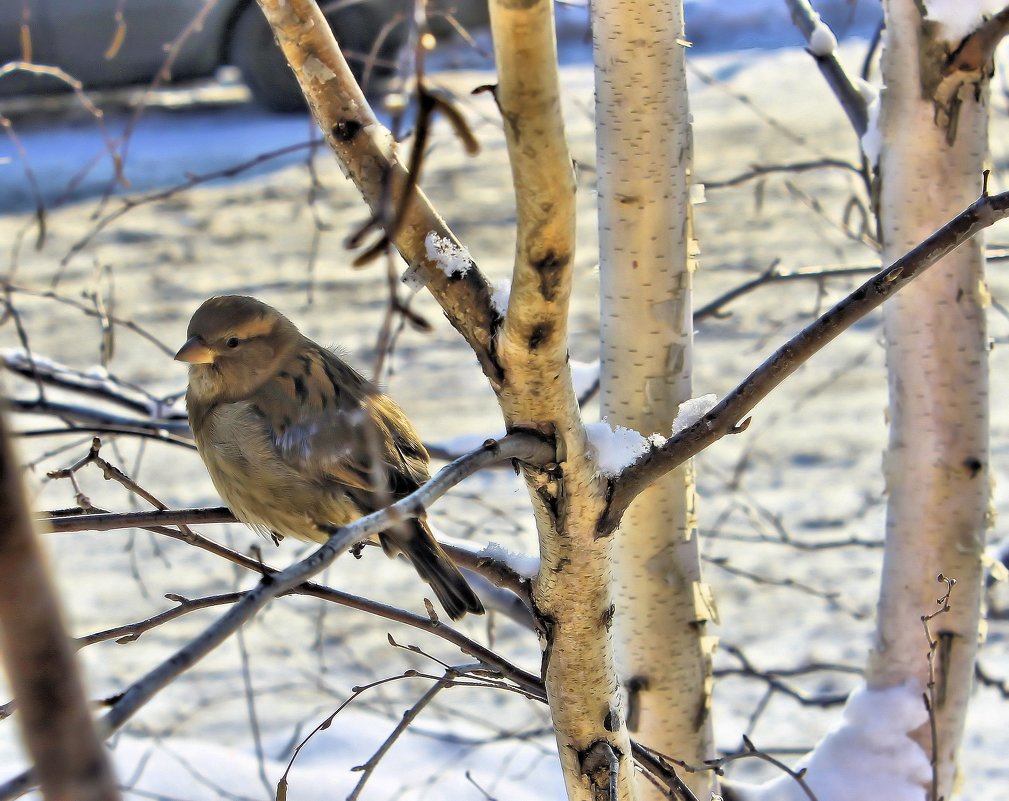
(257, 484)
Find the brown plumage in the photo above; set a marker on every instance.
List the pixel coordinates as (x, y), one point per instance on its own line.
(292, 436)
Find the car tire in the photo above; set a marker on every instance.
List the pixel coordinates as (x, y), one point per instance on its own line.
(265, 70)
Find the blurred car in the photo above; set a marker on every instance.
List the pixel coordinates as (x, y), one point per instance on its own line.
(78, 35)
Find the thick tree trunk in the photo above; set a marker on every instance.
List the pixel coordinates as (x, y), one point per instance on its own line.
(934, 130)
(646, 258)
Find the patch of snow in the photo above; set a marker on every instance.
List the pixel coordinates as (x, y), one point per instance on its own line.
(872, 139)
(420, 765)
(413, 279)
(526, 565)
(615, 448)
(959, 18)
(452, 259)
(866, 89)
(690, 411)
(822, 41)
(585, 375)
(499, 297)
(868, 756)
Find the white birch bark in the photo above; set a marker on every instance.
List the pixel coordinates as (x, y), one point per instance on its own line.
(646, 258)
(934, 131)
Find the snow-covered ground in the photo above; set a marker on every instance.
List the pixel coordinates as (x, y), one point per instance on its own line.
(808, 467)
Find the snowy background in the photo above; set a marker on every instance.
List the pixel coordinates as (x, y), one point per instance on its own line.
(791, 511)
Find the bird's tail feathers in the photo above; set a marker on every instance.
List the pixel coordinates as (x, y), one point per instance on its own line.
(437, 569)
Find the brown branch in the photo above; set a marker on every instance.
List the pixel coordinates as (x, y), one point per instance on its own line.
(368, 153)
(56, 723)
(727, 417)
(852, 101)
(976, 52)
(760, 170)
(132, 631)
(772, 275)
(933, 695)
(110, 521)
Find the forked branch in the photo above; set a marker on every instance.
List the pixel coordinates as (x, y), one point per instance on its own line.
(368, 153)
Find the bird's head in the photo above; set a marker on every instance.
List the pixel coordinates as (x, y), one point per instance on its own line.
(235, 343)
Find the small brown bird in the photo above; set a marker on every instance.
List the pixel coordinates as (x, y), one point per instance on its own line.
(292, 436)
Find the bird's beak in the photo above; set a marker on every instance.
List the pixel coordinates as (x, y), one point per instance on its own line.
(195, 352)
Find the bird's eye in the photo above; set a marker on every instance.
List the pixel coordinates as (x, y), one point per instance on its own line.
(232, 342)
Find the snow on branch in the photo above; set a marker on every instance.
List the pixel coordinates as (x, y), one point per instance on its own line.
(958, 19)
(823, 47)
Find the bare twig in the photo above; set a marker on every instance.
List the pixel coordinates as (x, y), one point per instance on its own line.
(113, 473)
(163, 194)
(852, 101)
(932, 695)
(761, 170)
(773, 677)
(451, 674)
(773, 275)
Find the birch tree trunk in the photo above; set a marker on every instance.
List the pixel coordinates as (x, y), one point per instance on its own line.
(646, 251)
(571, 593)
(934, 129)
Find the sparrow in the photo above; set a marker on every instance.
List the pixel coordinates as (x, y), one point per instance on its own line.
(294, 437)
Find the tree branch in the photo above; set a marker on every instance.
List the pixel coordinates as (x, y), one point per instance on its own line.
(528, 96)
(851, 99)
(368, 154)
(726, 416)
(520, 445)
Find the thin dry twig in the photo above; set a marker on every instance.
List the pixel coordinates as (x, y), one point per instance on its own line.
(932, 693)
(111, 473)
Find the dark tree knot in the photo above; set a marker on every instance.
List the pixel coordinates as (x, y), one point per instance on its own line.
(346, 130)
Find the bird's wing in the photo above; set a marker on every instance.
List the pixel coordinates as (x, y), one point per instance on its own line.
(330, 424)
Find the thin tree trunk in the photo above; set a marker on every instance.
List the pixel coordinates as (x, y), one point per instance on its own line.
(52, 709)
(571, 594)
(644, 145)
(934, 129)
